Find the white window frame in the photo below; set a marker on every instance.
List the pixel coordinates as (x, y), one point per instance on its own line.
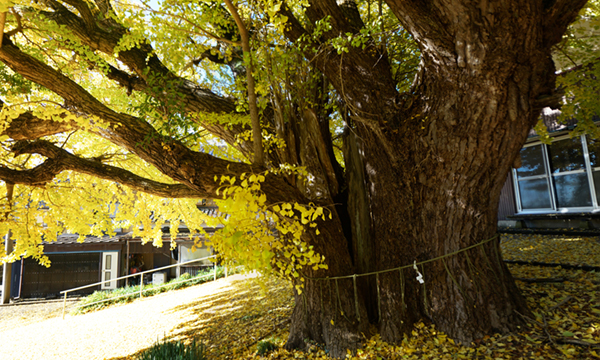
(550, 181)
(547, 176)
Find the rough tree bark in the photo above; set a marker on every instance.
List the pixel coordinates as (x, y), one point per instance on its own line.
(424, 169)
(435, 159)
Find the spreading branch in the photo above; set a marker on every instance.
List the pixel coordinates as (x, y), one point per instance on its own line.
(143, 62)
(347, 71)
(60, 160)
(193, 169)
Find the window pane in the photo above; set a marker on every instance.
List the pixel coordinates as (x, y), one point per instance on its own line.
(594, 150)
(596, 176)
(534, 194)
(572, 190)
(106, 277)
(566, 155)
(531, 162)
(108, 262)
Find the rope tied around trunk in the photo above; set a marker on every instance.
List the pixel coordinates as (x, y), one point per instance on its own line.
(416, 263)
(420, 278)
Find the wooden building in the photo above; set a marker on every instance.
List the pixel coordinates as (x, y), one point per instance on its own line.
(75, 264)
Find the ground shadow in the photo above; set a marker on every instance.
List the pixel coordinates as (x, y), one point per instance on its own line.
(226, 321)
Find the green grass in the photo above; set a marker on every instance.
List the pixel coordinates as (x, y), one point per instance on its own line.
(129, 293)
(174, 351)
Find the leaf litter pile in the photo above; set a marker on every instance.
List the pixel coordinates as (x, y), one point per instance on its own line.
(564, 302)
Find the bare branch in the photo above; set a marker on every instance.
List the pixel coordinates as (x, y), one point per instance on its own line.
(19, 27)
(29, 127)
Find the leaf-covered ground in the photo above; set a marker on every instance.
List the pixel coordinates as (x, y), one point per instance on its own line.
(566, 322)
(571, 250)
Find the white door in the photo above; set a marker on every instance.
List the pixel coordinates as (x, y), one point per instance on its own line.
(109, 269)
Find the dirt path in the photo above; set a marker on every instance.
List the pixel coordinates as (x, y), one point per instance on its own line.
(29, 312)
(111, 333)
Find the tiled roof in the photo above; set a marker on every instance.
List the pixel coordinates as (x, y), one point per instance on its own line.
(72, 239)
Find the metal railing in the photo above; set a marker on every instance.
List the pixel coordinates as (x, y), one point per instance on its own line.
(141, 275)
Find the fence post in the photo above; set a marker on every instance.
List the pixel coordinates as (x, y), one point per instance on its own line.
(226, 270)
(64, 305)
(215, 271)
(141, 284)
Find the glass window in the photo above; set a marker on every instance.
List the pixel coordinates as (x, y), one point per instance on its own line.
(107, 276)
(532, 162)
(566, 155)
(108, 262)
(596, 176)
(594, 151)
(534, 194)
(593, 146)
(567, 184)
(572, 190)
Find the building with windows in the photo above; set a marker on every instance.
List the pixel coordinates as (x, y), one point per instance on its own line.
(96, 259)
(554, 185)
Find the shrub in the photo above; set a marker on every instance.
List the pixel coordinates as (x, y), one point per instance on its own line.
(265, 346)
(176, 350)
(130, 293)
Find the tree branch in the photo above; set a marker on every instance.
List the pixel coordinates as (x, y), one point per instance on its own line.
(140, 60)
(28, 127)
(586, 66)
(259, 156)
(19, 27)
(344, 15)
(60, 160)
(143, 58)
(130, 82)
(194, 169)
(2, 23)
(84, 10)
(347, 72)
(558, 17)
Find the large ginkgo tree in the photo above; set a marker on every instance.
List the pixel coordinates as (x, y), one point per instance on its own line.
(339, 138)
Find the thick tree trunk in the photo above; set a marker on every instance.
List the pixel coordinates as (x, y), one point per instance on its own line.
(435, 160)
(433, 174)
(328, 311)
(434, 190)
